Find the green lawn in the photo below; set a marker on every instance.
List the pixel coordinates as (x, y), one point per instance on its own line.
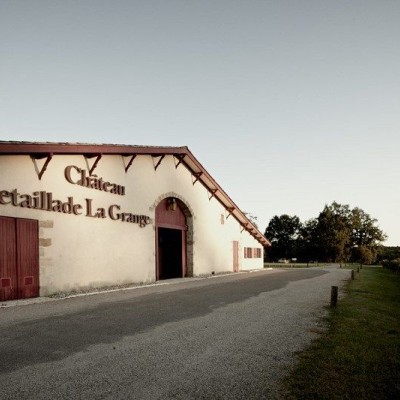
(359, 355)
(292, 265)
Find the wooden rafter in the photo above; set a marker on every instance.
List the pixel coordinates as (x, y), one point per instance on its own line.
(48, 158)
(230, 211)
(130, 162)
(159, 161)
(180, 158)
(197, 175)
(244, 227)
(212, 193)
(93, 167)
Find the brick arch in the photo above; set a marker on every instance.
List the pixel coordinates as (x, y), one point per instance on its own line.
(183, 202)
(183, 219)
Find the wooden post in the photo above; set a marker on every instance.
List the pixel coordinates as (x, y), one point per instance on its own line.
(352, 274)
(334, 296)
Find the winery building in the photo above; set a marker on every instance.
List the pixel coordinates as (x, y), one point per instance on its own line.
(81, 216)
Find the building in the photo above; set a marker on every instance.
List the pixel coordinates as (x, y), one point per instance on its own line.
(80, 216)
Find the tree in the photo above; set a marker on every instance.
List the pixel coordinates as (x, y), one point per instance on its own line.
(364, 229)
(333, 233)
(283, 232)
(338, 234)
(388, 253)
(364, 255)
(306, 243)
(366, 236)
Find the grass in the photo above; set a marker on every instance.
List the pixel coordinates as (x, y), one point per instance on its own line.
(292, 265)
(358, 357)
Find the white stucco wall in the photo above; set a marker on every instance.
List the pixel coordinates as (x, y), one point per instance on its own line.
(77, 251)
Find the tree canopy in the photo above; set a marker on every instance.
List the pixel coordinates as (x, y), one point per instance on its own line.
(283, 232)
(338, 234)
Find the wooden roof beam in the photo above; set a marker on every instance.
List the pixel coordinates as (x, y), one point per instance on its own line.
(46, 163)
(212, 193)
(180, 158)
(98, 157)
(159, 161)
(230, 211)
(197, 176)
(130, 162)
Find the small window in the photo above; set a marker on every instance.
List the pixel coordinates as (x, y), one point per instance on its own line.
(248, 252)
(222, 219)
(252, 252)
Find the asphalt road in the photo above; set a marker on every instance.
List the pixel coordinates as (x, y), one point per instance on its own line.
(230, 337)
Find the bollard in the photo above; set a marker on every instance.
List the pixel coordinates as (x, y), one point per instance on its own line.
(352, 274)
(334, 296)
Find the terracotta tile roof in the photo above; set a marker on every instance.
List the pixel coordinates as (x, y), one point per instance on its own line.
(183, 155)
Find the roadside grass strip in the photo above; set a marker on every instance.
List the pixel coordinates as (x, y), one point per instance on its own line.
(293, 265)
(358, 357)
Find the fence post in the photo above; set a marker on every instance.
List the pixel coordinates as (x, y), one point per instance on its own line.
(334, 296)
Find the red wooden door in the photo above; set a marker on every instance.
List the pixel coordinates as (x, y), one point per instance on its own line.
(8, 257)
(27, 258)
(19, 258)
(235, 256)
(184, 256)
(172, 219)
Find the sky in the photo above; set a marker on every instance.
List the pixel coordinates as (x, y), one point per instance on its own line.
(289, 105)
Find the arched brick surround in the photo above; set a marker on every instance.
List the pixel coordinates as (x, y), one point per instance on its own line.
(189, 214)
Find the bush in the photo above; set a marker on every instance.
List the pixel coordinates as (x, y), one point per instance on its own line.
(393, 265)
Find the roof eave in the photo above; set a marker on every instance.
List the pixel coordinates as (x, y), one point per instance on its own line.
(193, 165)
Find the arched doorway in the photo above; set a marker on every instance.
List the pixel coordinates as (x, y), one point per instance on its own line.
(171, 243)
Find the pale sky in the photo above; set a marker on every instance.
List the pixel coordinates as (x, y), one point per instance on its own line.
(290, 105)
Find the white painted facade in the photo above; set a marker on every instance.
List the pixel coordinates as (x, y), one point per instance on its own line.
(80, 251)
